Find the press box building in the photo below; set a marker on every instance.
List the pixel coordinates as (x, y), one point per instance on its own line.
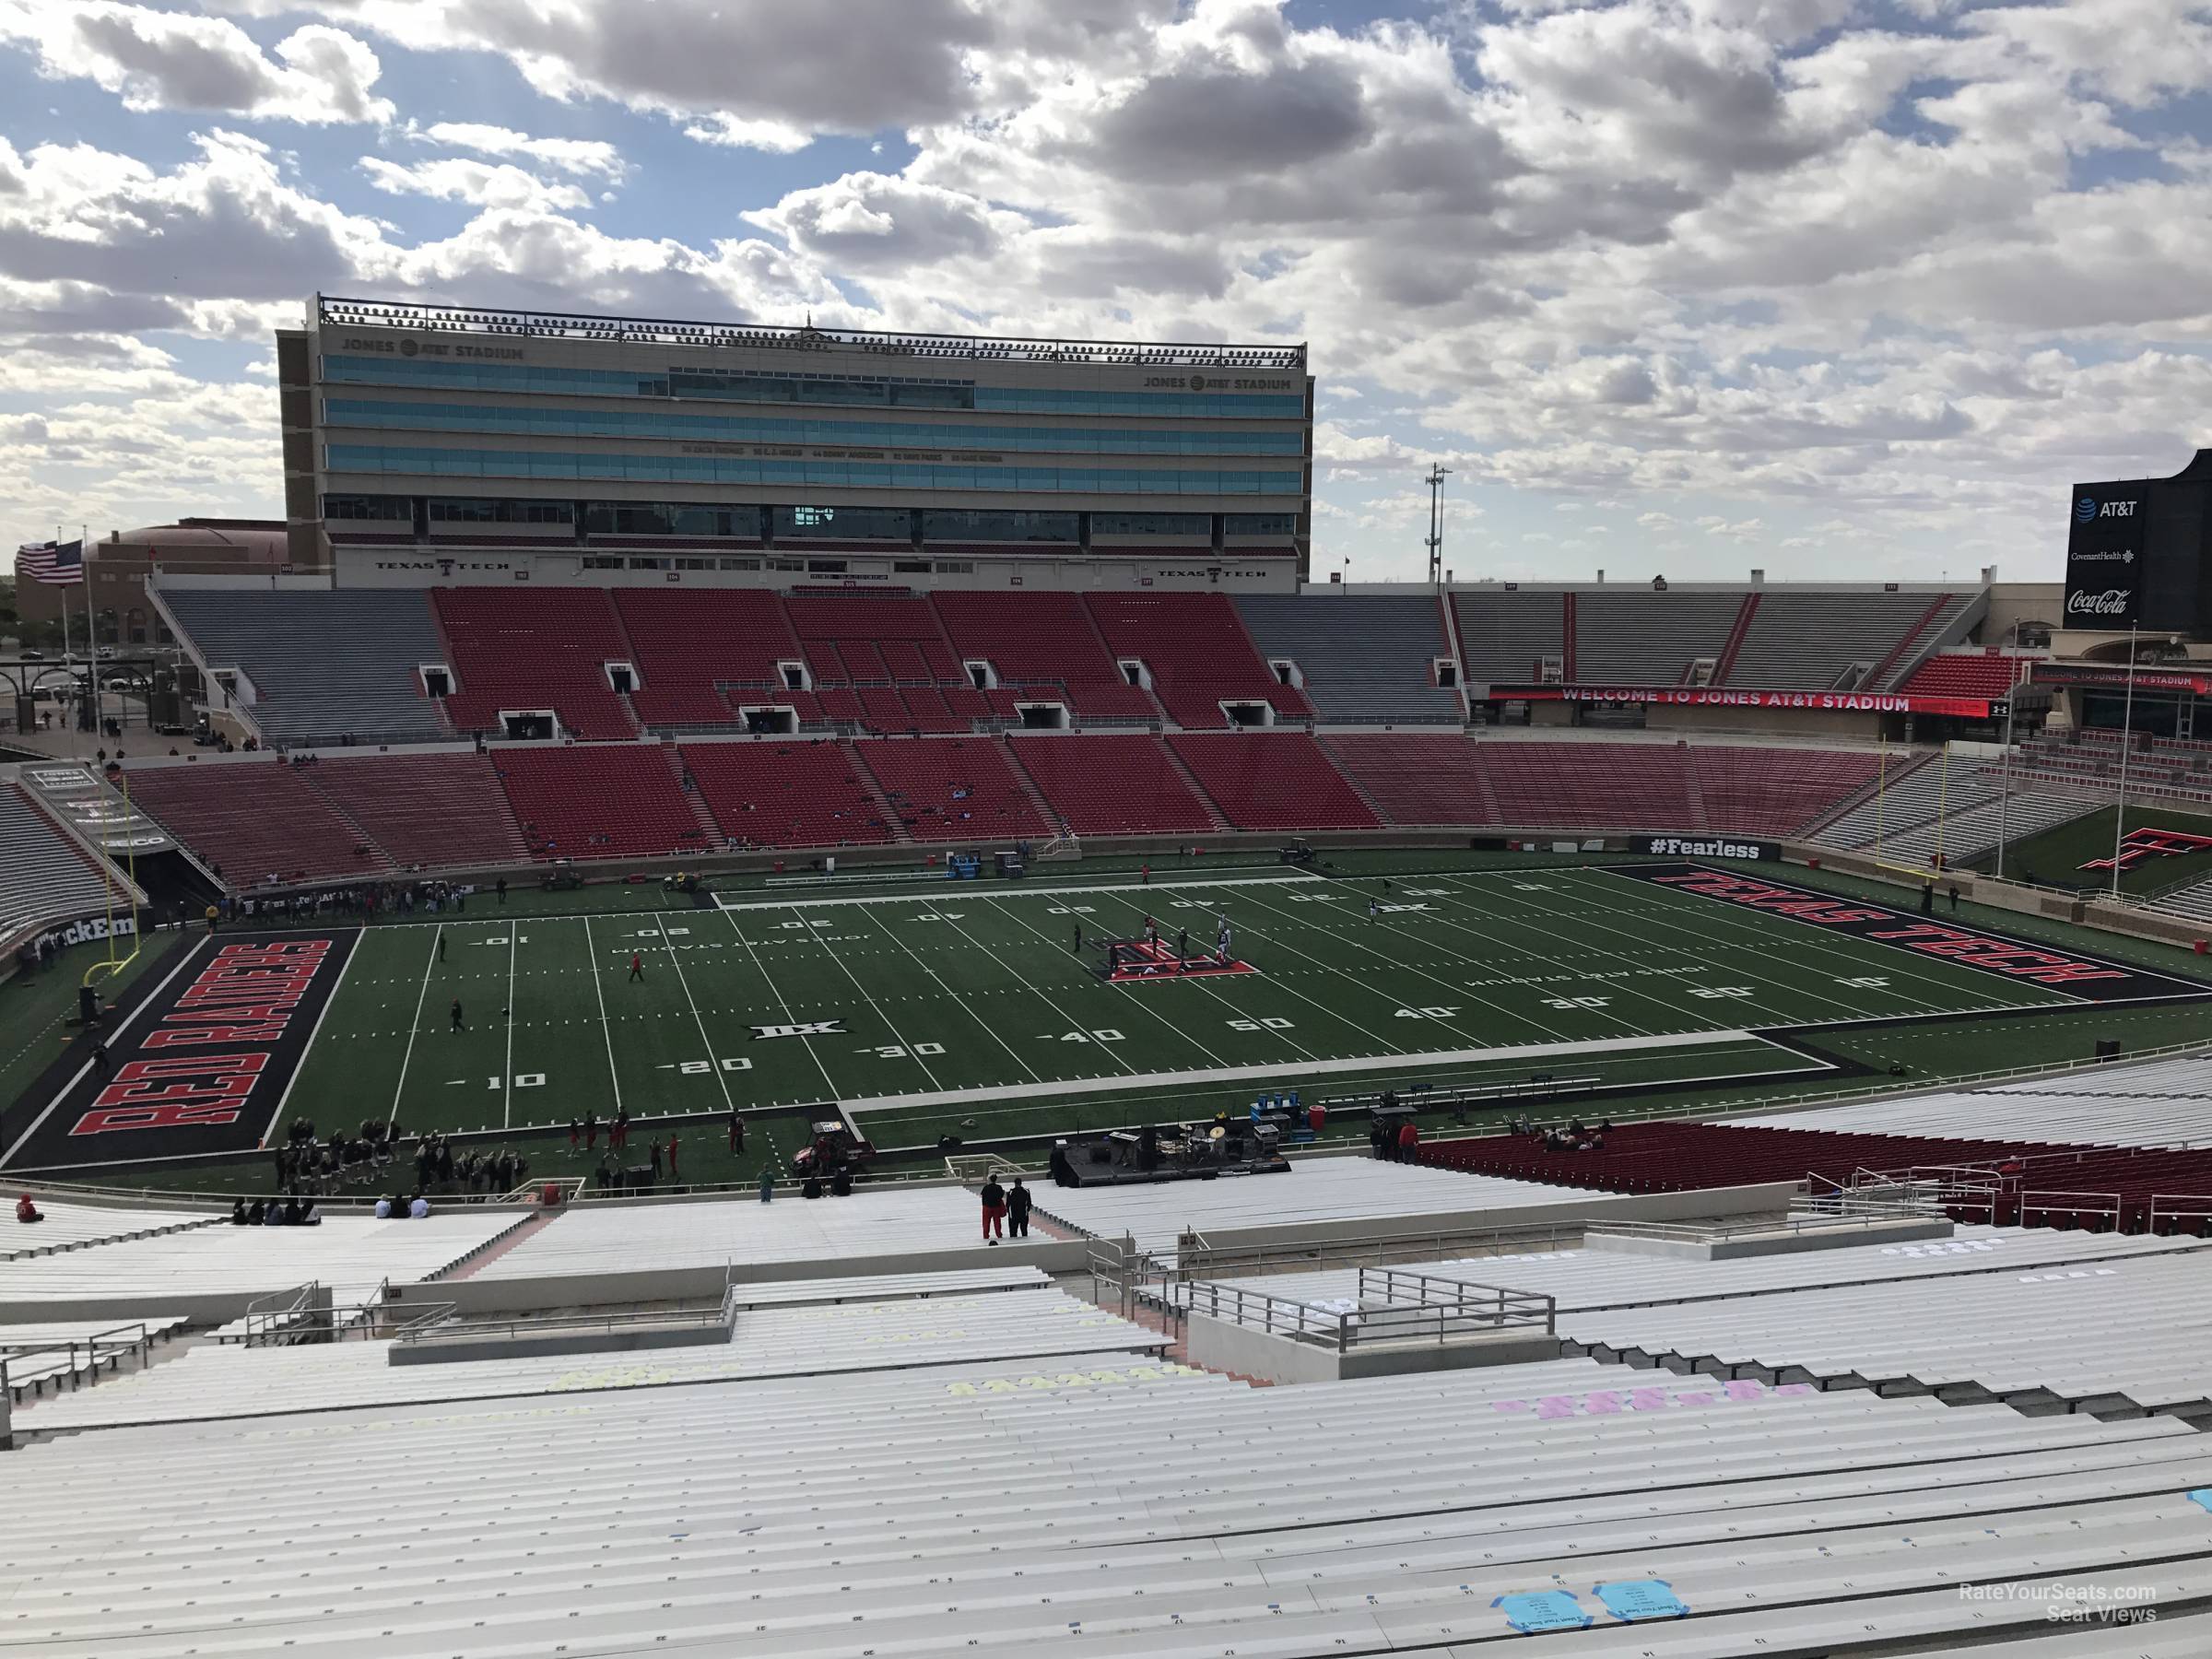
(456, 444)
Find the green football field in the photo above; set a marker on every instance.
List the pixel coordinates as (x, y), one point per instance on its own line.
(964, 1009)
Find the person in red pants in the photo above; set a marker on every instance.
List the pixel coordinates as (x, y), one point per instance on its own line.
(994, 1211)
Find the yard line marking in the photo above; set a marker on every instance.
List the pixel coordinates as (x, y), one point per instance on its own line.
(1457, 991)
(958, 1001)
(121, 1026)
(1812, 942)
(352, 951)
(1151, 1007)
(1058, 1012)
(1273, 981)
(515, 932)
(897, 1035)
(1278, 978)
(807, 1041)
(1782, 1016)
(606, 1030)
(400, 1088)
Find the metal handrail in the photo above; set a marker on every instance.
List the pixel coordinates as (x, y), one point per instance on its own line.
(1348, 1253)
(1450, 1308)
(442, 1329)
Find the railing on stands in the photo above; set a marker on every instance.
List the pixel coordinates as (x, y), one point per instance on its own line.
(1391, 1306)
(436, 1322)
(1196, 1259)
(33, 1365)
(2172, 1211)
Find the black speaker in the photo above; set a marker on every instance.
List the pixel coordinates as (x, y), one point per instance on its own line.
(2107, 1048)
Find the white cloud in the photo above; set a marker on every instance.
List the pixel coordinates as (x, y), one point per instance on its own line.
(479, 183)
(157, 60)
(583, 158)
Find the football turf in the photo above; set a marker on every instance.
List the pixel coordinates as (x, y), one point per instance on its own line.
(903, 1004)
(929, 1008)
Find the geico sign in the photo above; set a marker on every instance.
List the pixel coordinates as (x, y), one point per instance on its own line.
(2112, 602)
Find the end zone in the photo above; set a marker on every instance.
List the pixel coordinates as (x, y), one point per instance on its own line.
(200, 1065)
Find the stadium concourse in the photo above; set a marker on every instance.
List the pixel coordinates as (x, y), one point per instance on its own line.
(1733, 1425)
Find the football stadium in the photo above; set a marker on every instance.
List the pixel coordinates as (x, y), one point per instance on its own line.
(1196, 1108)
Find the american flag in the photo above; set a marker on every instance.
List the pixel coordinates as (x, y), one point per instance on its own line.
(57, 564)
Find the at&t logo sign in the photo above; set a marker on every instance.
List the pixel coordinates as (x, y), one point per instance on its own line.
(2089, 509)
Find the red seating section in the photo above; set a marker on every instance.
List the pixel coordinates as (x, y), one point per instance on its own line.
(256, 819)
(1590, 786)
(1198, 651)
(1773, 792)
(686, 643)
(1741, 789)
(611, 801)
(953, 789)
(1417, 778)
(1964, 675)
(891, 649)
(1272, 781)
(1047, 643)
(534, 648)
(424, 810)
(1111, 785)
(801, 793)
(2037, 1183)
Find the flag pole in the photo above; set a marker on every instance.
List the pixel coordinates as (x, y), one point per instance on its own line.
(84, 574)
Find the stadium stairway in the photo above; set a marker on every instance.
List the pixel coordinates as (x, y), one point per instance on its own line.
(1345, 773)
(716, 835)
(1726, 664)
(1218, 820)
(877, 793)
(306, 775)
(1028, 787)
(1701, 814)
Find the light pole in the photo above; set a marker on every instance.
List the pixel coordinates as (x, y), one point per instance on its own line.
(2004, 779)
(1437, 474)
(2127, 717)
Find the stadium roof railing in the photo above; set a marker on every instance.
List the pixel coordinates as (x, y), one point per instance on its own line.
(393, 313)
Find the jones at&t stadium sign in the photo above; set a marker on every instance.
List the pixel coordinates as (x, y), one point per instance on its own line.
(1711, 697)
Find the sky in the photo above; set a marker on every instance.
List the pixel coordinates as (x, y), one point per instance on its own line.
(1836, 289)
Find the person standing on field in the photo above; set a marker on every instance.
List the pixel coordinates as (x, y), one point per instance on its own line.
(637, 966)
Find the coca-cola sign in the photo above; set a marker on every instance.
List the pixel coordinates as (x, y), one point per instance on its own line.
(2107, 540)
(2114, 603)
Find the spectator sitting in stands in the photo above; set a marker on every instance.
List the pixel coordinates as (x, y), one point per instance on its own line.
(238, 1212)
(418, 1208)
(254, 1216)
(383, 1209)
(26, 1211)
(307, 1215)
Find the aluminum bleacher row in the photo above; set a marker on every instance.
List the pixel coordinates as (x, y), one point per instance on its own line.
(1009, 1505)
(1915, 811)
(2163, 1103)
(347, 815)
(2006, 1179)
(323, 665)
(45, 876)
